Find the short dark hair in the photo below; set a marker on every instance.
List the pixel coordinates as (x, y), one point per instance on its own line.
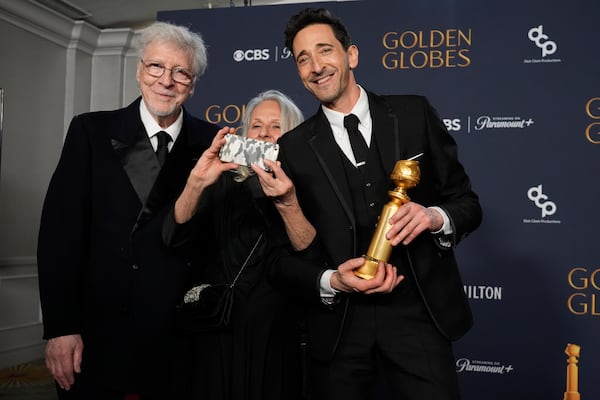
(310, 16)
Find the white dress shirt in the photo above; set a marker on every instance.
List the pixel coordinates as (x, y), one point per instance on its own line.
(152, 127)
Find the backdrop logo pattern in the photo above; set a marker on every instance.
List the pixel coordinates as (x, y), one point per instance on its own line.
(543, 42)
(541, 201)
(586, 283)
(436, 48)
(592, 131)
(274, 54)
(452, 124)
(482, 292)
(464, 365)
(251, 55)
(228, 113)
(487, 122)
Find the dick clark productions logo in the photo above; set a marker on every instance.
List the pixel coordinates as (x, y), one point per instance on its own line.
(541, 201)
(541, 40)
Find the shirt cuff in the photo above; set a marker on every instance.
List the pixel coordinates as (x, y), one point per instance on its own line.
(446, 228)
(325, 284)
(443, 234)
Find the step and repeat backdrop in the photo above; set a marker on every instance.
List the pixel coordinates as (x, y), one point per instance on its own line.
(518, 86)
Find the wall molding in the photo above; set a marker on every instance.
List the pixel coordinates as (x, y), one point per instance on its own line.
(50, 25)
(20, 338)
(17, 267)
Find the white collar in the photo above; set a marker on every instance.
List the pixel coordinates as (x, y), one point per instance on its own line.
(152, 127)
(360, 109)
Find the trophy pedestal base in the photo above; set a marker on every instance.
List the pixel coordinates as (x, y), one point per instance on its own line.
(368, 270)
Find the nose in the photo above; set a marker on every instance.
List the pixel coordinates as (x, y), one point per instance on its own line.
(166, 79)
(264, 132)
(316, 64)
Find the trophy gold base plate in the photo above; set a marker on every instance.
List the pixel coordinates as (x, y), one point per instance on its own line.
(368, 270)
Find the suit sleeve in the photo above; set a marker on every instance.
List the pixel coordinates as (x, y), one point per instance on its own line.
(455, 195)
(295, 273)
(63, 237)
(298, 272)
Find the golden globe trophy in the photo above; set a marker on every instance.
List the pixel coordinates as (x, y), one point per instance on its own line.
(406, 174)
(572, 392)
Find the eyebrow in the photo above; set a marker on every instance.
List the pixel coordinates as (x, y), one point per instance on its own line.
(264, 120)
(164, 64)
(318, 46)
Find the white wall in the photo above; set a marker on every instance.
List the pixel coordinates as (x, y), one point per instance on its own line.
(51, 68)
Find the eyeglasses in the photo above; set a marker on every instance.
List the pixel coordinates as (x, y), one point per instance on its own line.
(178, 74)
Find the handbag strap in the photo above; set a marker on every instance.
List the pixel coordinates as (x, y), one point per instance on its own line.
(246, 261)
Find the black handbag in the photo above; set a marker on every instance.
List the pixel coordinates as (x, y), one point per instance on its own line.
(208, 306)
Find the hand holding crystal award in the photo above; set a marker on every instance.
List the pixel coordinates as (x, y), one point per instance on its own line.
(406, 174)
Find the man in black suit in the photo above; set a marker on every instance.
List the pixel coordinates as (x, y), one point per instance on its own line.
(403, 320)
(109, 288)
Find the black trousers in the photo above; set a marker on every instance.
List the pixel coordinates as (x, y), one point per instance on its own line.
(89, 388)
(80, 391)
(389, 349)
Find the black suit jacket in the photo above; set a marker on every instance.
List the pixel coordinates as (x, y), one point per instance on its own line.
(403, 126)
(104, 272)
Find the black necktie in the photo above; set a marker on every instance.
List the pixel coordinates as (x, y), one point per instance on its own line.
(357, 141)
(163, 146)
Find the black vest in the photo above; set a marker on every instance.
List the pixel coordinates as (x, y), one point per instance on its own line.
(368, 190)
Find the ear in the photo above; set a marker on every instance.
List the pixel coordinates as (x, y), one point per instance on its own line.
(352, 56)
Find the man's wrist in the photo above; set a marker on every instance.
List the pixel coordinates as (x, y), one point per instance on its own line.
(326, 289)
(445, 227)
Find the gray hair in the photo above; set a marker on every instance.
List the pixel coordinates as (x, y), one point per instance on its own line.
(190, 42)
(291, 116)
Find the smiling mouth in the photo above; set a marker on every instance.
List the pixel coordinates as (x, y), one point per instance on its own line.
(323, 79)
(167, 94)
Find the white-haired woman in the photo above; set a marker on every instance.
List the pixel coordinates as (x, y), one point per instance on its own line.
(221, 217)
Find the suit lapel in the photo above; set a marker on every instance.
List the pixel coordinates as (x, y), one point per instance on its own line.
(166, 180)
(172, 176)
(385, 124)
(133, 148)
(328, 155)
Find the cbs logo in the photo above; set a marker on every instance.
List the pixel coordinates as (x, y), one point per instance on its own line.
(452, 125)
(251, 55)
